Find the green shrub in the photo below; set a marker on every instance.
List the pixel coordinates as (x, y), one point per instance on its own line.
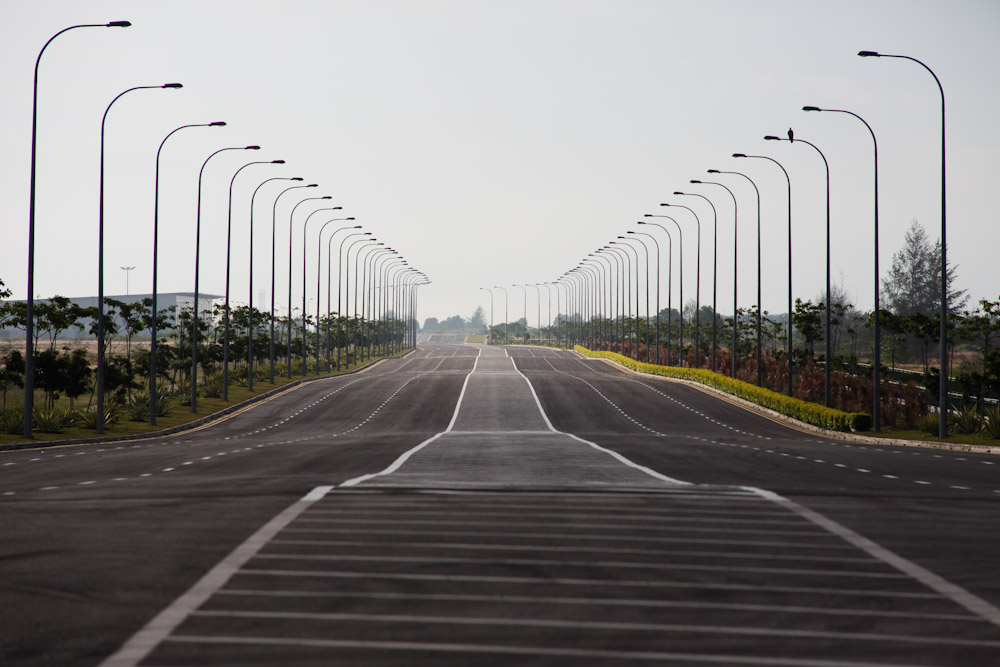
(12, 421)
(968, 420)
(52, 420)
(992, 425)
(89, 417)
(810, 413)
(929, 423)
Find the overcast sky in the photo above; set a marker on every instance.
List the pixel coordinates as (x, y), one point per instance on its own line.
(494, 143)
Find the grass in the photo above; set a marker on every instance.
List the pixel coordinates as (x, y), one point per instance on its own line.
(981, 439)
(179, 415)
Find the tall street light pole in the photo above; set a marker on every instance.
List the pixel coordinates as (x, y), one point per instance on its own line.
(788, 343)
(489, 338)
(524, 289)
(100, 259)
(343, 286)
(291, 229)
(156, 235)
(127, 270)
(759, 338)
(305, 313)
(735, 262)
(943, 388)
(197, 264)
(715, 271)
(250, 324)
(829, 341)
(319, 273)
(506, 315)
(656, 338)
(29, 329)
(274, 251)
(329, 292)
(697, 289)
(877, 365)
(225, 309)
(680, 273)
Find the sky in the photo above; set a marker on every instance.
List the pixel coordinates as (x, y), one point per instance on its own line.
(497, 143)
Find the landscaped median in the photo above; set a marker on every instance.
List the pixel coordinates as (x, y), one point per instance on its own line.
(810, 413)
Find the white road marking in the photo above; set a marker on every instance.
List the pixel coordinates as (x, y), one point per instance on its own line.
(163, 624)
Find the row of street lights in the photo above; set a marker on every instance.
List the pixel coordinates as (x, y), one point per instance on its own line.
(402, 281)
(601, 282)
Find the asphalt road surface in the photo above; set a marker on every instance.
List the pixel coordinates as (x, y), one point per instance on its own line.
(498, 506)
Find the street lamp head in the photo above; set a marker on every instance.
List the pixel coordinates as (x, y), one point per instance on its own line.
(641, 222)
(351, 219)
(664, 204)
(678, 193)
(277, 162)
(313, 185)
(739, 155)
(217, 123)
(811, 109)
(630, 231)
(326, 197)
(172, 85)
(296, 178)
(118, 24)
(696, 182)
(869, 54)
(252, 148)
(367, 233)
(714, 171)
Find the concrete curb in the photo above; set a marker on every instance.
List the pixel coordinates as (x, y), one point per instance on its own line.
(802, 426)
(197, 423)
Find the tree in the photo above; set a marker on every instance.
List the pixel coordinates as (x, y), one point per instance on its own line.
(913, 284)
(454, 323)
(431, 325)
(478, 320)
(808, 320)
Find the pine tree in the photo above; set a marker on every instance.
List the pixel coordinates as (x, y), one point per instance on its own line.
(913, 285)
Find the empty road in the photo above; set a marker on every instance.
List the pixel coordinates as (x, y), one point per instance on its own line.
(498, 506)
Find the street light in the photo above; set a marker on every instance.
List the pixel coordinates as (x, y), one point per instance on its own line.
(788, 344)
(250, 325)
(524, 289)
(29, 329)
(127, 270)
(489, 338)
(225, 309)
(680, 274)
(100, 258)
(697, 288)
(319, 273)
(291, 228)
(197, 256)
(274, 250)
(759, 370)
(877, 374)
(319, 247)
(829, 341)
(715, 270)
(156, 233)
(506, 316)
(329, 288)
(735, 257)
(346, 274)
(943, 387)
(633, 328)
(656, 339)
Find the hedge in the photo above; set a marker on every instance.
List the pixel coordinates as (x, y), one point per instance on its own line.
(810, 413)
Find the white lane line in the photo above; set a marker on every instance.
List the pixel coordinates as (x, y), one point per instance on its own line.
(395, 465)
(142, 643)
(585, 601)
(577, 624)
(545, 562)
(486, 649)
(955, 593)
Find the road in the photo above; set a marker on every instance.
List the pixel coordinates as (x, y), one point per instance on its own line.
(498, 506)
